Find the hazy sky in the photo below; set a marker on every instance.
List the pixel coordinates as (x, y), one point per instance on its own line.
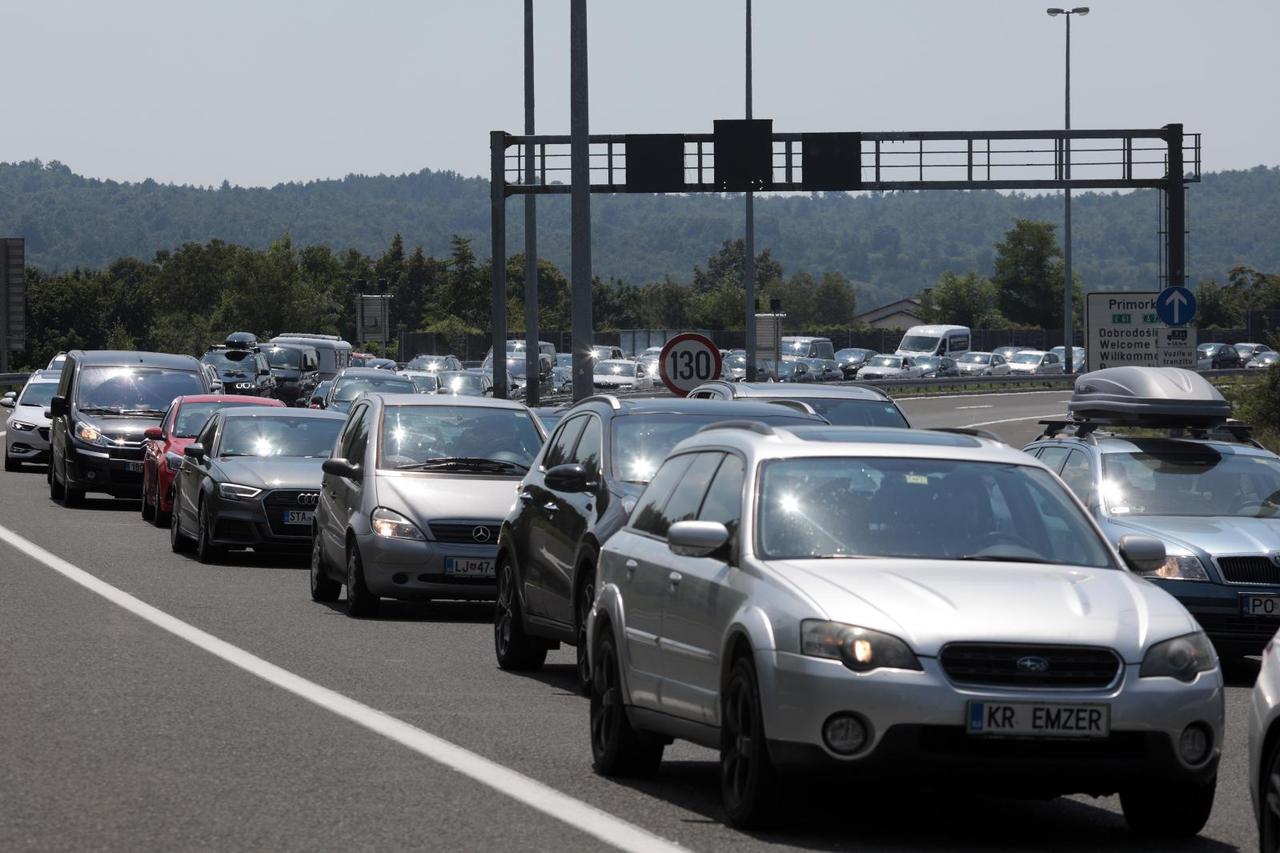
(262, 91)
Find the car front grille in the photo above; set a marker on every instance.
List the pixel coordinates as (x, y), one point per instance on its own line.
(43, 432)
(1248, 569)
(282, 500)
(1238, 629)
(1016, 665)
(465, 531)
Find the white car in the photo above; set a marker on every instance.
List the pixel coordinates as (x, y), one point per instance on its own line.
(982, 364)
(1034, 362)
(892, 606)
(891, 367)
(426, 381)
(26, 434)
(620, 373)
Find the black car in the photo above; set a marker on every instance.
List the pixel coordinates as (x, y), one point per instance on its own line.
(579, 492)
(105, 401)
(852, 359)
(241, 371)
(296, 368)
(252, 479)
(937, 366)
(1218, 357)
(354, 381)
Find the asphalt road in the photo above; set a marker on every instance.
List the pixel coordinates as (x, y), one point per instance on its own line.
(117, 734)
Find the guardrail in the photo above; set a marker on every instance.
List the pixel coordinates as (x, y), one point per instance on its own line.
(14, 378)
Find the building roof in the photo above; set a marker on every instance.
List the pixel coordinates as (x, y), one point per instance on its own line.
(910, 305)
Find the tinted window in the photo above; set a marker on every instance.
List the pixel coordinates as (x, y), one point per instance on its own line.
(134, 389)
(1183, 479)
(206, 435)
(562, 443)
(724, 499)
(1052, 457)
(858, 412)
(687, 497)
(648, 512)
(296, 435)
(1078, 476)
(588, 451)
(355, 436)
(425, 436)
(351, 387)
(284, 357)
(193, 416)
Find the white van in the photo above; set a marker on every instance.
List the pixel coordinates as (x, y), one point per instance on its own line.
(935, 340)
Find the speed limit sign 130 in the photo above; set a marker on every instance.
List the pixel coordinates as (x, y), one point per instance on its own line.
(687, 361)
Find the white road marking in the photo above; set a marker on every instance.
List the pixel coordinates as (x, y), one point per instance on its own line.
(582, 816)
(1011, 420)
(988, 406)
(902, 401)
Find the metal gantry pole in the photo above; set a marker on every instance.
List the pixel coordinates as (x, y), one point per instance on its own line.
(533, 357)
(580, 214)
(498, 264)
(1068, 355)
(749, 241)
(1176, 199)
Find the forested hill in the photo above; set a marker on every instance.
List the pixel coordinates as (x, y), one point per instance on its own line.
(892, 244)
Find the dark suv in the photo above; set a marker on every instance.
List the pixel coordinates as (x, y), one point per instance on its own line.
(579, 491)
(241, 371)
(105, 401)
(296, 368)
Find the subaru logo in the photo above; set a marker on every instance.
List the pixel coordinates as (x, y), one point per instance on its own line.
(1033, 664)
(309, 498)
(480, 533)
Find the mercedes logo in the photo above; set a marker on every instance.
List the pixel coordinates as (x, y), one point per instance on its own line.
(1032, 664)
(480, 533)
(309, 498)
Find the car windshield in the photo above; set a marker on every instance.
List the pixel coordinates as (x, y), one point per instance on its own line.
(931, 509)
(295, 435)
(461, 438)
(1244, 349)
(462, 383)
(517, 367)
(975, 358)
(146, 390)
(193, 416)
(843, 412)
(919, 343)
(425, 383)
(1027, 358)
(1206, 348)
(599, 352)
(1192, 481)
(928, 361)
(642, 441)
(350, 387)
(885, 361)
(37, 394)
(564, 359)
(230, 360)
(283, 358)
(616, 368)
(735, 361)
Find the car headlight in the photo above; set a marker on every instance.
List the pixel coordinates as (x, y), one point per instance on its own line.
(21, 426)
(861, 649)
(237, 492)
(1180, 567)
(1181, 658)
(393, 525)
(172, 461)
(89, 434)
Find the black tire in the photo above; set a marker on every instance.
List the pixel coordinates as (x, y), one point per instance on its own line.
(206, 551)
(360, 602)
(56, 490)
(323, 587)
(1269, 817)
(72, 498)
(617, 749)
(178, 541)
(1171, 810)
(749, 783)
(586, 598)
(515, 650)
(159, 517)
(148, 510)
(11, 464)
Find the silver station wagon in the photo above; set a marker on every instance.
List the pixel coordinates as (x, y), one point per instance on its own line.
(893, 605)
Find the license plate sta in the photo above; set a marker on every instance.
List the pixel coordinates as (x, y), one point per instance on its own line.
(1038, 719)
(468, 567)
(1259, 605)
(133, 467)
(298, 516)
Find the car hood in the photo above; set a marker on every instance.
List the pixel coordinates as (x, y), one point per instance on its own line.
(883, 371)
(123, 428)
(1214, 535)
(1023, 368)
(31, 414)
(273, 472)
(424, 498)
(932, 602)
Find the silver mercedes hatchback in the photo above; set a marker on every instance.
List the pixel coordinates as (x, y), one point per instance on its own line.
(894, 605)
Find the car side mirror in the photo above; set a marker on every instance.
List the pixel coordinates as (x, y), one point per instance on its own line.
(1142, 554)
(7, 402)
(57, 406)
(569, 477)
(194, 451)
(340, 467)
(153, 433)
(697, 538)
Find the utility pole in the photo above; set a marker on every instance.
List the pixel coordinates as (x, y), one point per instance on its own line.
(749, 242)
(580, 214)
(533, 358)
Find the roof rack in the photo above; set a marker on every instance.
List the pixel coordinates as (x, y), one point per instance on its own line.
(798, 405)
(970, 431)
(611, 400)
(1082, 429)
(755, 426)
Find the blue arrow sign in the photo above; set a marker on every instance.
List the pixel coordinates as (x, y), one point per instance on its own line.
(1176, 306)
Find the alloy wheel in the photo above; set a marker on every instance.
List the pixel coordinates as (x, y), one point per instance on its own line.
(585, 600)
(606, 707)
(739, 731)
(504, 618)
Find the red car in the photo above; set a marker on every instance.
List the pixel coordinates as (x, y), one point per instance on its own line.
(163, 449)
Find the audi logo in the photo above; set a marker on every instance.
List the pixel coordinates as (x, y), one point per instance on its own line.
(480, 533)
(309, 498)
(1033, 664)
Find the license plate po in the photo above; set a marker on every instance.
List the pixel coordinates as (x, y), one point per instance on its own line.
(1259, 605)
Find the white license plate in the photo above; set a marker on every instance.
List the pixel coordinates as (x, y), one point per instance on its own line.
(133, 467)
(466, 567)
(298, 516)
(1259, 605)
(1038, 719)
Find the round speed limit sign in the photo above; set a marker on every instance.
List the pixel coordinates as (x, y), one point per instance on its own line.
(687, 361)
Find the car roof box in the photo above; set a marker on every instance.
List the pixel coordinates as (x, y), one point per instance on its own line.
(1148, 396)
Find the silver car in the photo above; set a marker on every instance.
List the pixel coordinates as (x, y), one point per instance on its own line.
(891, 367)
(780, 595)
(1264, 749)
(1034, 362)
(413, 496)
(982, 364)
(26, 435)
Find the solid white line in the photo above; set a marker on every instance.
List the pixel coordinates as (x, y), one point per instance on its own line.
(988, 406)
(902, 401)
(1011, 420)
(611, 830)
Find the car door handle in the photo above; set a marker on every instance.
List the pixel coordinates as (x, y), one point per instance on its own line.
(525, 496)
(551, 506)
(674, 578)
(631, 568)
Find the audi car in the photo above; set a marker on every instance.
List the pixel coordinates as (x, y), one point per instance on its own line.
(251, 479)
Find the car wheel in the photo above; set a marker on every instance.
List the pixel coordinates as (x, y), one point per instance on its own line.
(55, 486)
(206, 551)
(11, 464)
(586, 598)
(148, 510)
(360, 602)
(1269, 819)
(515, 650)
(323, 587)
(748, 781)
(1179, 809)
(177, 540)
(72, 498)
(158, 516)
(617, 749)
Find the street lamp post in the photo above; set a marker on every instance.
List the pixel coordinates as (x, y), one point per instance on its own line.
(1067, 336)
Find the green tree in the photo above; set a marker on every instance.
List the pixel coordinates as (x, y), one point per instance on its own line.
(1028, 275)
(966, 300)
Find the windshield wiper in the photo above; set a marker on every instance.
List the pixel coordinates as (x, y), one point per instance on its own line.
(475, 463)
(1000, 558)
(101, 410)
(141, 411)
